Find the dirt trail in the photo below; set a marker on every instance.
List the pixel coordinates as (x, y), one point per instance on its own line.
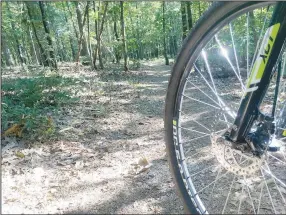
(94, 167)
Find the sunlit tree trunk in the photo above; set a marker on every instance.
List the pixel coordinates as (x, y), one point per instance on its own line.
(164, 35)
(117, 55)
(88, 33)
(5, 50)
(33, 45)
(123, 36)
(18, 45)
(84, 50)
(70, 38)
(81, 34)
(53, 62)
(94, 56)
(98, 38)
(73, 24)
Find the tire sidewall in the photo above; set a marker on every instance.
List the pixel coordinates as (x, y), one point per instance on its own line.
(209, 22)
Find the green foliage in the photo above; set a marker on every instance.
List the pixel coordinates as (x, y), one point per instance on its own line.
(143, 25)
(32, 101)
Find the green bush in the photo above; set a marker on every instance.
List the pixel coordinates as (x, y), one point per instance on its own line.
(32, 101)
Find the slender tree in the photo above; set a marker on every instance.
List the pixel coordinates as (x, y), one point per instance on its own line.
(16, 38)
(123, 36)
(6, 50)
(98, 38)
(33, 44)
(95, 52)
(52, 60)
(73, 24)
(184, 19)
(164, 35)
(189, 13)
(117, 54)
(81, 23)
(81, 41)
(70, 36)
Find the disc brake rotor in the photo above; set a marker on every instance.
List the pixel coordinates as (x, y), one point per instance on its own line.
(234, 160)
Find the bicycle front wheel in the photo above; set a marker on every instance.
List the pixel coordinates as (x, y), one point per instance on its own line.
(204, 93)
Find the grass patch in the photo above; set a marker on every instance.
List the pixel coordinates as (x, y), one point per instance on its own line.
(28, 105)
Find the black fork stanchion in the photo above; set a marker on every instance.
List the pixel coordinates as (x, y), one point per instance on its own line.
(265, 64)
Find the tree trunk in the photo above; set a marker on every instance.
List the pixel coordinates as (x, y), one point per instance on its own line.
(6, 51)
(184, 20)
(70, 38)
(75, 30)
(164, 35)
(81, 36)
(53, 62)
(123, 37)
(138, 41)
(88, 33)
(72, 49)
(94, 56)
(117, 54)
(43, 55)
(189, 12)
(84, 50)
(18, 45)
(98, 38)
(33, 45)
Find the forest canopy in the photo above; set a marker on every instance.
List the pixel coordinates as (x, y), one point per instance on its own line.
(94, 33)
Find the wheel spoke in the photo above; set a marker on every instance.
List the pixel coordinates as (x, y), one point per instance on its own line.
(202, 92)
(196, 138)
(240, 200)
(248, 191)
(228, 60)
(274, 177)
(267, 188)
(279, 190)
(260, 196)
(212, 182)
(193, 130)
(211, 76)
(277, 158)
(218, 173)
(226, 108)
(234, 50)
(189, 97)
(201, 125)
(200, 171)
(224, 207)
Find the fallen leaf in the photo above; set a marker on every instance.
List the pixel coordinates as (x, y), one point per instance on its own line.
(79, 165)
(53, 190)
(143, 169)
(143, 162)
(142, 165)
(19, 154)
(65, 129)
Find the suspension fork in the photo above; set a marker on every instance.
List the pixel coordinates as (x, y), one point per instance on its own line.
(261, 74)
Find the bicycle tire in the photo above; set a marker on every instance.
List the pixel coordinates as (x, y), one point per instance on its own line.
(211, 20)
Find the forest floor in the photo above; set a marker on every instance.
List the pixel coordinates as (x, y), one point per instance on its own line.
(110, 156)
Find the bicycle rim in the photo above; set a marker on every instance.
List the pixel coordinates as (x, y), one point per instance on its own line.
(208, 97)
